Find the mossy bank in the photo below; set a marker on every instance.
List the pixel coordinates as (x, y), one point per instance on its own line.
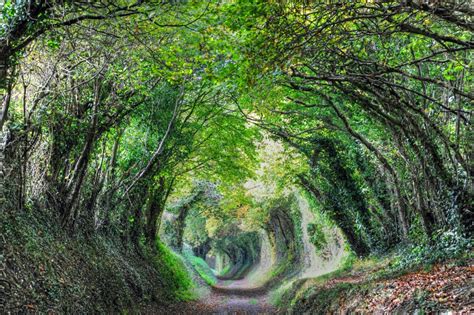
(44, 270)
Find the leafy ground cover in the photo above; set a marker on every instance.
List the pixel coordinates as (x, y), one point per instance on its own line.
(47, 271)
(378, 285)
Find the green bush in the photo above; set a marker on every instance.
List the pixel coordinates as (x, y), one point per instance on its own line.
(443, 245)
(317, 235)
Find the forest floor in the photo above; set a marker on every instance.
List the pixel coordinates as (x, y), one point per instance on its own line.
(441, 287)
(367, 288)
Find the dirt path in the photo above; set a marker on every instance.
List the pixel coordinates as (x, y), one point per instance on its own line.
(237, 297)
(227, 297)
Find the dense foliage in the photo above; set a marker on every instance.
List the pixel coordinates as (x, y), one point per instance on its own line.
(214, 117)
(378, 97)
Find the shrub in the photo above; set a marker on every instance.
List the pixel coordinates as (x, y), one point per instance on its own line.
(443, 245)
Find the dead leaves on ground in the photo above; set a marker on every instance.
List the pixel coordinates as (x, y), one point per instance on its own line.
(444, 287)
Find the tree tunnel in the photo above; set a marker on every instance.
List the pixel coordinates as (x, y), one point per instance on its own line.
(282, 246)
(148, 142)
(241, 253)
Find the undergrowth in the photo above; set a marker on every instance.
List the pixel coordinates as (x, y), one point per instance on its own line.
(444, 245)
(47, 270)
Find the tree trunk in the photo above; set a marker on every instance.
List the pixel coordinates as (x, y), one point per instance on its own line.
(181, 224)
(3, 197)
(401, 205)
(202, 250)
(136, 226)
(110, 178)
(5, 97)
(80, 169)
(154, 211)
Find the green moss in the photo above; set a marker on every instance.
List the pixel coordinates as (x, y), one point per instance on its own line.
(174, 273)
(202, 268)
(225, 270)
